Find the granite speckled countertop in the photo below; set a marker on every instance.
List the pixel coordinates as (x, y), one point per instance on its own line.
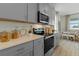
(21, 40)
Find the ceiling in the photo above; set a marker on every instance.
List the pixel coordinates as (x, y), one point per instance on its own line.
(67, 8)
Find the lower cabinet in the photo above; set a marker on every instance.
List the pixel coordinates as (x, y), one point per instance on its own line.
(26, 53)
(56, 39)
(39, 47)
(33, 48)
(25, 49)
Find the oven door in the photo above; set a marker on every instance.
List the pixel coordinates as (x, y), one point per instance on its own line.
(48, 44)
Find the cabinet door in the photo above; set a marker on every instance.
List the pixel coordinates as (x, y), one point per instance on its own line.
(56, 39)
(44, 8)
(28, 53)
(32, 12)
(38, 51)
(39, 47)
(16, 11)
(26, 50)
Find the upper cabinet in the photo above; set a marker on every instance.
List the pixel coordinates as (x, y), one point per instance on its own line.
(27, 11)
(19, 11)
(44, 8)
(48, 9)
(13, 11)
(32, 12)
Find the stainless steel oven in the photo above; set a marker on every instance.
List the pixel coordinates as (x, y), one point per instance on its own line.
(48, 43)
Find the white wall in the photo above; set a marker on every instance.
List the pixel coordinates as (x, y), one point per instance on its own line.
(59, 23)
(13, 10)
(56, 22)
(63, 23)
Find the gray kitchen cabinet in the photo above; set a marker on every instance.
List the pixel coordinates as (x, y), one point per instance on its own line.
(39, 47)
(33, 48)
(44, 8)
(56, 39)
(19, 50)
(32, 12)
(25, 53)
(16, 11)
(29, 53)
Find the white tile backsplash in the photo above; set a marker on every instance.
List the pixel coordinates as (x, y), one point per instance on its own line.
(7, 26)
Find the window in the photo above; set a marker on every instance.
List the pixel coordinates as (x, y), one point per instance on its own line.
(74, 23)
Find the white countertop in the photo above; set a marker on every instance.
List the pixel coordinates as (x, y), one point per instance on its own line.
(21, 40)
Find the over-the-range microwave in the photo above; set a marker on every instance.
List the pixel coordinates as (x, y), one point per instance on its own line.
(42, 18)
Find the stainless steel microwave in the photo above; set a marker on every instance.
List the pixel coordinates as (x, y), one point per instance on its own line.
(42, 18)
